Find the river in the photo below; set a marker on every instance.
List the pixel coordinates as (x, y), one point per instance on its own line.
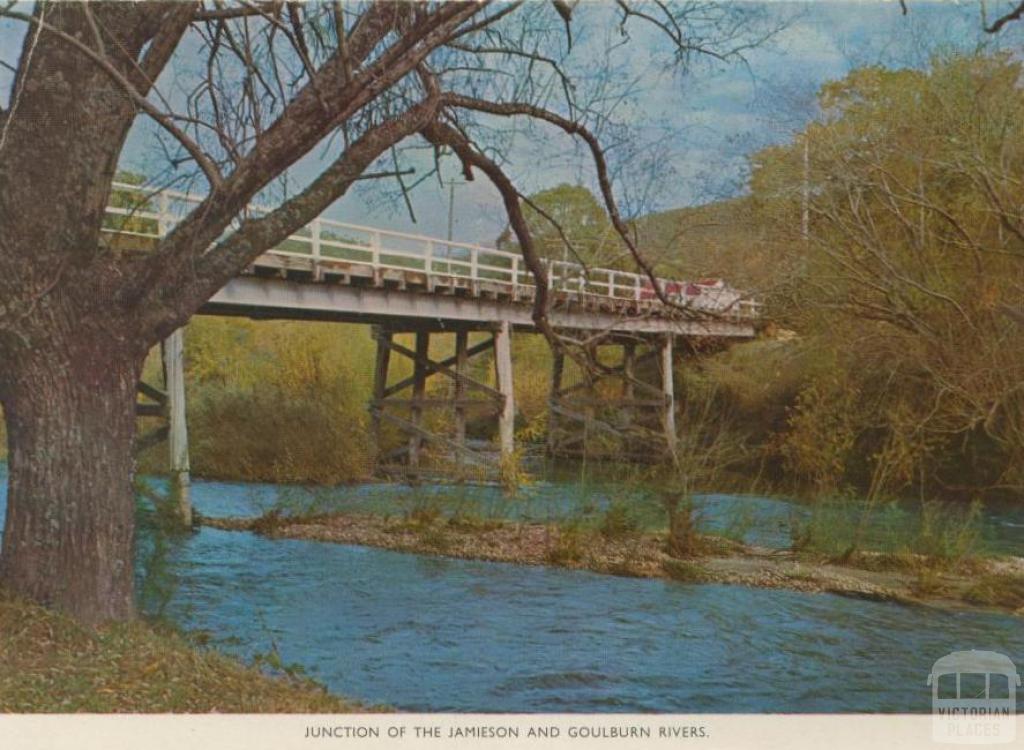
(424, 633)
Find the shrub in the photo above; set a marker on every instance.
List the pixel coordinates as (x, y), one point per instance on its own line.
(272, 434)
(423, 514)
(683, 521)
(822, 431)
(934, 535)
(618, 522)
(948, 536)
(831, 528)
(567, 545)
(435, 538)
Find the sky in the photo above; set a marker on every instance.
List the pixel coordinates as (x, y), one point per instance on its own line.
(710, 120)
(690, 133)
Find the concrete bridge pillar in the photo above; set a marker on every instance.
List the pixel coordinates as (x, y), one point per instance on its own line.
(380, 376)
(503, 370)
(177, 436)
(668, 388)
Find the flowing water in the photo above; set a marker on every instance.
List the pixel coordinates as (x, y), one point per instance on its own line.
(424, 633)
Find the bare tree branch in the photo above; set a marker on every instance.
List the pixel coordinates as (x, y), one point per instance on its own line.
(604, 180)
(210, 169)
(444, 135)
(996, 26)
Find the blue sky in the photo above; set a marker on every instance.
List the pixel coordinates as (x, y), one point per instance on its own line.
(712, 118)
(696, 129)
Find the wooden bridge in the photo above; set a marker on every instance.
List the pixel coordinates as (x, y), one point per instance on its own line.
(410, 284)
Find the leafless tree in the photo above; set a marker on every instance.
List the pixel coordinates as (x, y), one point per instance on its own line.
(239, 92)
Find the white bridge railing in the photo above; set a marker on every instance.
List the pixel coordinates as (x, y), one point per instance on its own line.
(135, 211)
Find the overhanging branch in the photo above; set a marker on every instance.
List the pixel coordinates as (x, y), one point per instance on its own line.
(195, 279)
(603, 176)
(440, 135)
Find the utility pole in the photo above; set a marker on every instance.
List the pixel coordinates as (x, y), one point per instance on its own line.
(451, 206)
(806, 212)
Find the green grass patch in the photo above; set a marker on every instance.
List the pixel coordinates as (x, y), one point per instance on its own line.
(49, 663)
(888, 536)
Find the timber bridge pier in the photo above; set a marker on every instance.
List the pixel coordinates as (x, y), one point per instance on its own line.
(426, 287)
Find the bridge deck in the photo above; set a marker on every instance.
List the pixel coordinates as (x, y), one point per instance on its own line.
(330, 270)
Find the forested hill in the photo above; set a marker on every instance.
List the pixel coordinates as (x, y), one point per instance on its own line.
(728, 239)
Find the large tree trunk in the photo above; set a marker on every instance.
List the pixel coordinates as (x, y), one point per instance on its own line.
(69, 535)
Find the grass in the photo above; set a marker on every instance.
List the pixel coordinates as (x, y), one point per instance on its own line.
(434, 538)
(684, 539)
(935, 536)
(684, 571)
(568, 544)
(619, 522)
(51, 664)
(274, 520)
(997, 590)
(423, 514)
(464, 521)
(928, 582)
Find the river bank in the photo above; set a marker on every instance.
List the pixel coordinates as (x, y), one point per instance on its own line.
(982, 583)
(51, 664)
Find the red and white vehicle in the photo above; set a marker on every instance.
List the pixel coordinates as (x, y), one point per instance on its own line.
(712, 295)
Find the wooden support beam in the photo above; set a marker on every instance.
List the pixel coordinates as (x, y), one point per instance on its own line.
(150, 410)
(174, 380)
(617, 371)
(442, 369)
(478, 348)
(575, 410)
(503, 370)
(385, 409)
(154, 394)
(401, 452)
(438, 403)
(420, 373)
(628, 380)
(461, 360)
(588, 420)
(567, 441)
(380, 376)
(668, 388)
(427, 436)
(636, 403)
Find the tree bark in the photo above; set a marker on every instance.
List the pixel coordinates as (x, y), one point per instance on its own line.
(69, 534)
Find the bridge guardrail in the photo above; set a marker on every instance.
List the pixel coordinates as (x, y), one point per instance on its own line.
(325, 242)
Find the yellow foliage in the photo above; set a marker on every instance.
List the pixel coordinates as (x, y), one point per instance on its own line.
(279, 401)
(822, 432)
